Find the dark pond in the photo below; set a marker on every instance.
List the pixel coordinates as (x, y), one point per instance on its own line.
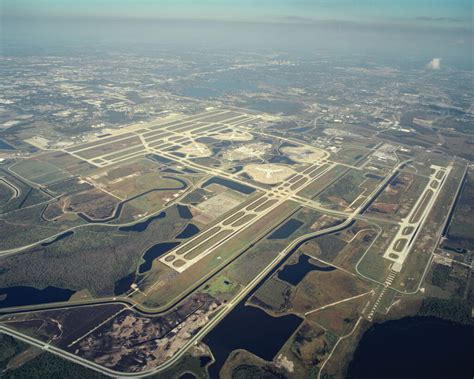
(159, 158)
(170, 171)
(5, 146)
(189, 171)
(229, 184)
(203, 361)
(154, 252)
(189, 231)
(123, 285)
(415, 347)
(21, 295)
(373, 176)
(281, 159)
(178, 154)
(141, 226)
(459, 250)
(287, 144)
(104, 135)
(187, 375)
(184, 212)
(249, 328)
(285, 230)
(236, 168)
(58, 238)
(294, 274)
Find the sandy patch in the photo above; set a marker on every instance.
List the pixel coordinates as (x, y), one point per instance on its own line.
(252, 150)
(269, 173)
(196, 149)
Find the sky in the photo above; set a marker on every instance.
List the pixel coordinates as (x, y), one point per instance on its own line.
(439, 13)
(427, 28)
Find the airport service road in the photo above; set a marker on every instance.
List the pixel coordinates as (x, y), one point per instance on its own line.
(146, 138)
(198, 336)
(156, 137)
(221, 314)
(231, 226)
(15, 190)
(412, 224)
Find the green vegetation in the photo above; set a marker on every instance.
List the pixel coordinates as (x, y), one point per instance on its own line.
(30, 169)
(450, 278)
(321, 183)
(69, 186)
(222, 287)
(311, 344)
(273, 295)
(94, 258)
(351, 155)
(330, 246)
(51, 367)
(457, 310)
(9, 347)
(189, 363)
(247, 371)
(399, 197)
(345, 190)
(27, 196)
(25, 226)
(6, 193)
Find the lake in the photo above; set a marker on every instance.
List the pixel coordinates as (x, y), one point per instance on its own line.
(22, 295)
(189, 231)
(154, 252)
(141, 226)
(286, 230)
(230, 184)
(293, 274)
(415, 347)
(123, 285)
(184, 212)
(252, 329)
(5, 146)
(58, 238)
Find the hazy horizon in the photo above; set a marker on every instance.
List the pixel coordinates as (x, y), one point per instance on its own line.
(425, 29)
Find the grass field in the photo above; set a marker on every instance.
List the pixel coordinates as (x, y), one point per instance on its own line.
(318, 185)
(38, 171)
(372, 264)
(399, 197)
(320, 288)
(344, 191)
(461, 230)
(340, 318)
(350, 155)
